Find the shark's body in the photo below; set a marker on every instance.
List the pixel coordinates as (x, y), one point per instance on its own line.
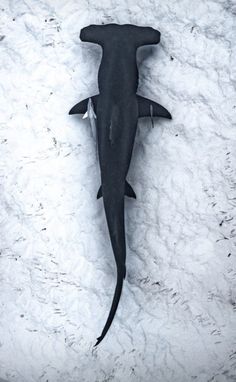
(117, 109)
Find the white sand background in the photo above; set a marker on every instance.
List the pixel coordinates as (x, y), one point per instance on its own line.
(176, 321)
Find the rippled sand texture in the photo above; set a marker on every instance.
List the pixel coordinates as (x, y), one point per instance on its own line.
(176, 318)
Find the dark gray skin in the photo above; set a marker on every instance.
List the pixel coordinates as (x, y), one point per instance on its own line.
(118, 108)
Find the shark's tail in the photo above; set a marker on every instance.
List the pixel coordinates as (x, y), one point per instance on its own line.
(115, 302)
(114, 210)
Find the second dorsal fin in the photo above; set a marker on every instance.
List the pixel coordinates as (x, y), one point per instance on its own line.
(128, 191)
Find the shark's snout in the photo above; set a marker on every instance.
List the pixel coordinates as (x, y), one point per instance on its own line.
(156, 35)
(83, 34)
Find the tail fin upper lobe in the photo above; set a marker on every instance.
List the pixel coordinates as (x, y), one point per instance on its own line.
(114, 210)
(115, 302)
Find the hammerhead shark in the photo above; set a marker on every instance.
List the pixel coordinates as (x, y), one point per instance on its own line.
(116, 110)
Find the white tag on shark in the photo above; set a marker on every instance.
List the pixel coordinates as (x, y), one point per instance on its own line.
(92, 116)
(85, 115)
(151, 115)
(91, 112)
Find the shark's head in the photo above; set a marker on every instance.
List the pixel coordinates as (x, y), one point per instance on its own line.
(125, 34)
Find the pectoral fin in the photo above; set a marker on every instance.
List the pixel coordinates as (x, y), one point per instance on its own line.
(82, 106)
(149, 108)
(128, 191)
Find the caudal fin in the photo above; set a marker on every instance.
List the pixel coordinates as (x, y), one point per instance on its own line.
(120, 276)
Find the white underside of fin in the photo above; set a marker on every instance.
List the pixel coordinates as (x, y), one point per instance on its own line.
(92, 117)
(85, 115)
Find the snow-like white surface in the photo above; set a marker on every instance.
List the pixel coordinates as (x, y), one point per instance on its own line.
(176, 317)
